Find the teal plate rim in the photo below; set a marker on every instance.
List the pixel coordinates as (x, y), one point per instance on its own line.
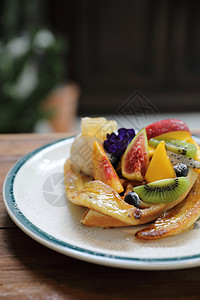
(77, 252)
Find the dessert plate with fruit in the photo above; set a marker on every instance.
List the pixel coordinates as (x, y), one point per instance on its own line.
(113, 196)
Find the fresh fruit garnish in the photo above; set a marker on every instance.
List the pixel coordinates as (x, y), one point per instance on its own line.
(103, 169)
(179, 147)
(181, 170)
(132, 199)
(176, 220)
(163, 191)
(151, 151)
(180, 135)
(96, 195)
(98, 127)
(135, 160)
(113, 159)
(150, 190)
(116, 144)
(177, 158)
(160, 166)
(164, 126)
(197, 157)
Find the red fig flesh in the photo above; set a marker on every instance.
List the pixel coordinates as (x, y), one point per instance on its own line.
(135, 160)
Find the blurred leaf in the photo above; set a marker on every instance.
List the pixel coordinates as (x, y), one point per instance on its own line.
(21, 109)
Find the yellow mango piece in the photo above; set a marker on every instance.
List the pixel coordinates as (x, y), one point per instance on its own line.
(180, 135)
(160, 166)
(151, 151)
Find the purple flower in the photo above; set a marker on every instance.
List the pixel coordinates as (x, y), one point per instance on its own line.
(116, 144)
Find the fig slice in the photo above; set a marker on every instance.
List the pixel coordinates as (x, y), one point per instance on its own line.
(103, 169)
(135, 160)
(176, 220)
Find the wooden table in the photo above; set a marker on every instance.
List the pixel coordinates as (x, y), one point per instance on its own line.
(29, 270)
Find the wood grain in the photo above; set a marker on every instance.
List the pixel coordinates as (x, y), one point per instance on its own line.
(29, 270)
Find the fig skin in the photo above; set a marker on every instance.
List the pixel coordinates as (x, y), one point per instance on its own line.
(135, 160)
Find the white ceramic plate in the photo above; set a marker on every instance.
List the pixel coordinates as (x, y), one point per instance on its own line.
(34, 197)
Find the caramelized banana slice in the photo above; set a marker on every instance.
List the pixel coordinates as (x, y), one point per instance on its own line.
(95, 219)
(176, 220)
(81, 190)
(98, 196)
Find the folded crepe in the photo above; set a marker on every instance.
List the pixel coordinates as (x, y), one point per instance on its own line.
(106, 207)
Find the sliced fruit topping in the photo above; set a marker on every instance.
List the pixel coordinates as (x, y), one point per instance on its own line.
(160, 166)
(164, 126)
(98, 127)
(135, 160)
(176, 220)
(151, 151)
(103, 169)
(181, 170)
(113, 159)
(162, 191)
(116, 144)
(197, 157)
(82, 190)
(177, 158)
(179, 147)
(132, 199)
(181, 135)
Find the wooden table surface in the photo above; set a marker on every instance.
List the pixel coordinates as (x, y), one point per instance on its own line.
(29, 270)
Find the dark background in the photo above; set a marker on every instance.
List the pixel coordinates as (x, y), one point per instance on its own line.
(118, 47)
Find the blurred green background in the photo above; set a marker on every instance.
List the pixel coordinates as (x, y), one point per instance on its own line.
(31, 65)
(61, 60)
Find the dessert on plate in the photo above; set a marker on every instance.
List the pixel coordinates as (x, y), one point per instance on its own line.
(125, 178)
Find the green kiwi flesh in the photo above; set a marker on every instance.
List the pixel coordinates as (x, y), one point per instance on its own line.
(176, 146)
(163, 191)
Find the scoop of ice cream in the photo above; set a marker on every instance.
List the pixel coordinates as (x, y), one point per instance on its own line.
(93, 129)
(81, 153)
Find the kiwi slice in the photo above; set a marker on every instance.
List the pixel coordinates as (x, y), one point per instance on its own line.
(176, 146)
(162, 191)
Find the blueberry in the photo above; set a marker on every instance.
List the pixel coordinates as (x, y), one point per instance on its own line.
(114, 161)
(181, 170)
(133, 199)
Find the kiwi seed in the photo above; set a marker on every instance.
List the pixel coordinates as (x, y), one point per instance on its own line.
(162, 191)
